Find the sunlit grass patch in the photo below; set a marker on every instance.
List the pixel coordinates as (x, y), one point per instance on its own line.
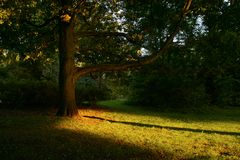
(118, 133)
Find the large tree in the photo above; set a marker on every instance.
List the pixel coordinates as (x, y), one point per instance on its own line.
(93, 36)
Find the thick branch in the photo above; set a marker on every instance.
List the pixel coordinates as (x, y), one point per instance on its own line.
(79, 72)
(232, 2)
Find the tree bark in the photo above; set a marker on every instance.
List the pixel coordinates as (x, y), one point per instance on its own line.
(67, 103)
(232, 2)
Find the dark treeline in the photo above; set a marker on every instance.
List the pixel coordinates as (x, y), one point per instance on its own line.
(199, 66)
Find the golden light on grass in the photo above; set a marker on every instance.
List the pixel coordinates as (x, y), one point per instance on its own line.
(135, 133)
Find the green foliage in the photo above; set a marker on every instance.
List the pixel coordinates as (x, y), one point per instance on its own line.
(212, 57)
(118, 83)
(28, 92)
(27, 84)
(229, 91)
(165, 89)
(220, 50)
(90, 90)
(118, 90)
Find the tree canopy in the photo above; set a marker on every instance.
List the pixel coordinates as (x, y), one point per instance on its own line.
(100, 36)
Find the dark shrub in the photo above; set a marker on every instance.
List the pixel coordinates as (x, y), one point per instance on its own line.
(28, 92)
(89, 90)
(163, 89)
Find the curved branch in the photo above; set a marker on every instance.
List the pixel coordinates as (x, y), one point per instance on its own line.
(79, 72)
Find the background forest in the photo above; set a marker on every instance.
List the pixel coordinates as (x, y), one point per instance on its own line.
(201, 66)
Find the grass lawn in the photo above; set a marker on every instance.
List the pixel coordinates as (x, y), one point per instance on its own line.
(118, 131)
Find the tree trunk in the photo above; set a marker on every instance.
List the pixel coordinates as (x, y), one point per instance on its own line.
(67, 103)
(211, 89)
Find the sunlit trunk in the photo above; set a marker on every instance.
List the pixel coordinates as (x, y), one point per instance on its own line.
(67, 103)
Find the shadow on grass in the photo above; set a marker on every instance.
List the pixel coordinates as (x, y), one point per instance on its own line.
(203, 114)
(37, 138)
(167, 127)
